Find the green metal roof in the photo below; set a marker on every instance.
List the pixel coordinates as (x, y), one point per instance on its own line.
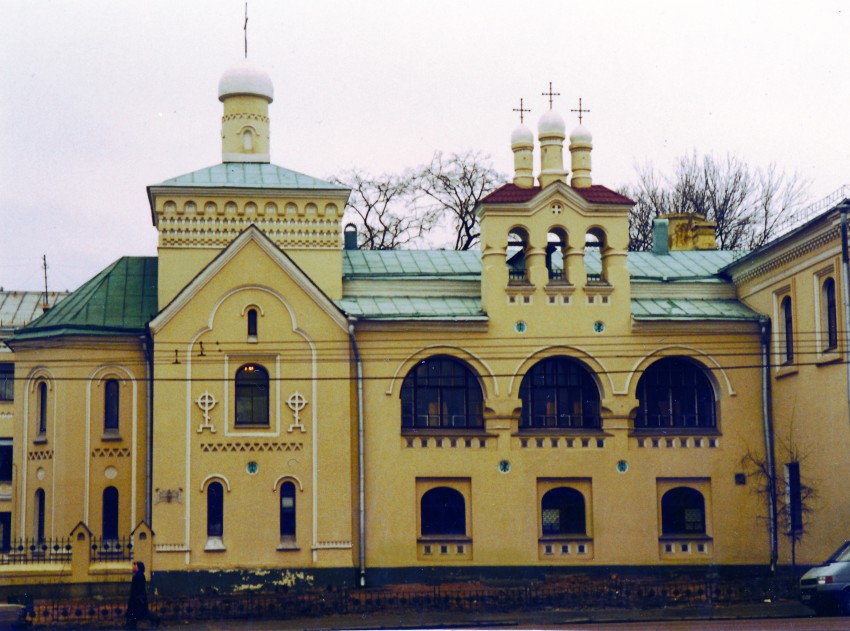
(690, 309)
(413, 308)
(697, 264)
(249, 175)
(19, 308)
(407, 263)
(120, 300)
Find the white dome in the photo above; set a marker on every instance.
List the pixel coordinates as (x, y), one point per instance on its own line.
(551, 124)
(245, 78)
(581, 135)
(522, 136)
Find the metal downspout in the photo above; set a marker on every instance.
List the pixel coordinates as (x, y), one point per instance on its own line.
(844, 207)
(360, 454)
(148, 345)
(767, 417)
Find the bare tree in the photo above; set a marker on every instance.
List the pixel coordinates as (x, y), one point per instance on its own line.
(746, 204)
(452, 186)
(384, 209)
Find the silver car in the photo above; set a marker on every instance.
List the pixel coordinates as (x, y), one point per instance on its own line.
(826, 588)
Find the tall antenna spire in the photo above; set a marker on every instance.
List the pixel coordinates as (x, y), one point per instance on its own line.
(245, 28)
(45, 304)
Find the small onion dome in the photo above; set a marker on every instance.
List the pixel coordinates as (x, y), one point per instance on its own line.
(551, 124)
(581, 136)
(522, 137)
(245, 78)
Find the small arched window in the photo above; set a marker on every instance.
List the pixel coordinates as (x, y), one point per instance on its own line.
(830, 322)
(247, 140)
(787, 330)
(683, 512)
(252, 395)
(675, 392)
(110, 513)
(594, 258)
(563, 513)
(560, 393)
(252, 324)
(287, 511)
(515, 256)
(556, 254)
(215, 510)
(38, 515)
(441, 393)
(110, 406)
(443, 512)
(42, 407)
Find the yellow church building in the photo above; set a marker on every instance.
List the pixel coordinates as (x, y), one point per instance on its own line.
(262, 400)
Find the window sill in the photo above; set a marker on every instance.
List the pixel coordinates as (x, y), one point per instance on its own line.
(785, 370)
(214, 544)
(41, 439)
(447, 431)
(111, 436)
(676, 431)
(592, 432)
(564, 537)
(828, 357)
(685, 537)
(238, 426)
(444, 539)
(288, 546)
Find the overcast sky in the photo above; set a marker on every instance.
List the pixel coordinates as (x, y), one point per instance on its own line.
(101, 99)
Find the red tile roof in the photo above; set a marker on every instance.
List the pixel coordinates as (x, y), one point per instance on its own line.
(513, 194)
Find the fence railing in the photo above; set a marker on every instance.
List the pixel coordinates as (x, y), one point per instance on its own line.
(101, 549)
(29, 551)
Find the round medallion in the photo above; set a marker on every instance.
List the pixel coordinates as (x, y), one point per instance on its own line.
(504, 466)
(111, 473)
(520, 327)
(622, 466)
(40, 473)
(598, 326)
(252, 468)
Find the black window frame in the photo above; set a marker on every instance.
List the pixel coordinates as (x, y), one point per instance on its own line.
(288, 514)
(450, 392)
(6, 459)
(689, 397)
(677, 510)
(215, 510)
(39, 517)
(111, 406)
(109, 513)
(42, 407)
(7, 381)
(830, 314)
(442, 512)
(572, 512)
(252, 323)
(787, 309)
(562, 383)
(252, 400)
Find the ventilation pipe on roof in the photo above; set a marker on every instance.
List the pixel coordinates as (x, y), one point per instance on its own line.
(660, 242)
(350, 235)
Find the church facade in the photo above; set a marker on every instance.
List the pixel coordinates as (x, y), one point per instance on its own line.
(264, 399)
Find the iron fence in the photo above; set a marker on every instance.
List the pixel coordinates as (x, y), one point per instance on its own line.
(120, 549)
(28, 551)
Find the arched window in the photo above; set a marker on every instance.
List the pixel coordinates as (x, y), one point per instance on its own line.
(252, 323)
(787, 330)
(110, 406)
(110, 513)
(594, 258)
(828, 308)
(247, 140)
(683, 512)
(675, 392)
(515, 256)
(443, 512)
(42, 407)
(215, 510)
(287, 511)
(441, 392)
(562, 512)
(560, 393)
(7, 381)
(38, 516)
(556, 254)
(252, 395)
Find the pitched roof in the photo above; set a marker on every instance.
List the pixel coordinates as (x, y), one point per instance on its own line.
(413, 307)
(18, 308)
(120, 300)
(249, 175)
(409, 263)
(690, 309)
(513, 194)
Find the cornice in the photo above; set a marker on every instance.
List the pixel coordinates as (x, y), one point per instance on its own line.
(774, 262)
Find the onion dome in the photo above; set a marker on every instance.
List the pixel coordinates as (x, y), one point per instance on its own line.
(551, 124)
(581, 135)
(244, 78)
(522, 136)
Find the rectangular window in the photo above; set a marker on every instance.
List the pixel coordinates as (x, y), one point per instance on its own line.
(7, 381)
(5, 459)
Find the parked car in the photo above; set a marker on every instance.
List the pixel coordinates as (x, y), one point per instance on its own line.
(12, 616)
(826, 588)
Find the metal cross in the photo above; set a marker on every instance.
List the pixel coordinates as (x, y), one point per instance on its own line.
(580, 111)
(550, 94)
(245, 28)
(521, 111)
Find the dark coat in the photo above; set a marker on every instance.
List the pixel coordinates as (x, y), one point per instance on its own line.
(137, 604)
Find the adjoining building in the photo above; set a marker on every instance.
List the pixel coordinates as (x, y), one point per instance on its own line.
(263, 403)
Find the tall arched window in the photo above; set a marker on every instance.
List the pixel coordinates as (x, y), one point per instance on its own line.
(675, 392)
(110, 406)
(829, 319)
(215, 510)
(515, 256)
(252, 323)
(110, 513)
(441, 392)
(594, 256)
(683, 512)
(556, 254)
(42, 407)
(787, 330)
(443, 512)
(562, 512)
(287, 511)
(559, 392)
(38, 516)
(252, 395)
